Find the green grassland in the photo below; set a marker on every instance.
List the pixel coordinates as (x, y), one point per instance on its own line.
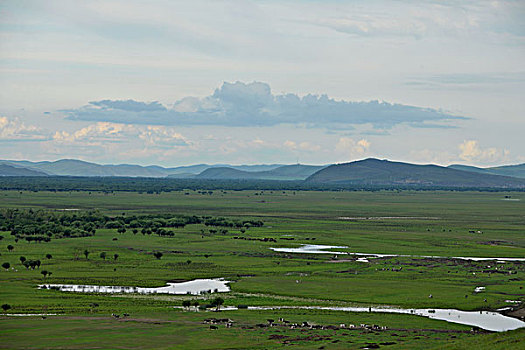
(414, 223)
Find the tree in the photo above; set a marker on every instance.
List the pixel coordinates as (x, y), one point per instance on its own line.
(195, 303)
(49, 256)
(22, 259)
(86, 253)
(93, 306)
(158, 255)
(103, 255)
(6, 307)
(186, 303)
(217, 302)
(115, 256)
(10, 247)
(6, 265)
(44, 272)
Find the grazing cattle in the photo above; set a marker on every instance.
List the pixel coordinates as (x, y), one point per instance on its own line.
(214, 327)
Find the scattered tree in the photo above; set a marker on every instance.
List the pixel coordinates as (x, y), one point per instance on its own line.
(103, 255)
(158, 255)
(22, 259)
(49, 256)
(188, 262)
(93, 306)
(10, 247)
(217, 302)
(86, 253)
(6, 307)
(186, 303)
(115, 256)
(44, 272)
(6, 265)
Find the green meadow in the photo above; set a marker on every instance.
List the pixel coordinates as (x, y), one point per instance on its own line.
(413, 224)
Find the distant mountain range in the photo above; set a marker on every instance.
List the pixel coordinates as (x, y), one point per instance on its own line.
(383, 172)
(74, 167)
(369, 171)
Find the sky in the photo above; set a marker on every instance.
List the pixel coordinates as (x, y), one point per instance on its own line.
(249, 82)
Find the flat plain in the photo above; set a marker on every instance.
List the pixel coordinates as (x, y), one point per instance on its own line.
(423, 231)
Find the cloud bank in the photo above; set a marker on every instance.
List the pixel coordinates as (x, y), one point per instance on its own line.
(240, 105)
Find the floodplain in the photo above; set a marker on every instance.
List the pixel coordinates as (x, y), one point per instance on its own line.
(392, 249)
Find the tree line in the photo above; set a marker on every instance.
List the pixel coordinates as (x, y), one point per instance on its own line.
(42, 225)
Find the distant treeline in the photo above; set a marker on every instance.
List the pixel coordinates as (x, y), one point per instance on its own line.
(42, 225)
(158, 185)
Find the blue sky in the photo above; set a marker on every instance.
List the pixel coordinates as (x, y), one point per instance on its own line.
(245, 82)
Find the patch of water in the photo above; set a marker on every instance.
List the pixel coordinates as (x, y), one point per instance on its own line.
(195, 287)
(388, 217)
(311, 249)
(491, 321)
(27, 315)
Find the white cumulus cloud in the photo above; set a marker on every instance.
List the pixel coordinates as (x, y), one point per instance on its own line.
(472, 152)
(15, 130)
(351, 149)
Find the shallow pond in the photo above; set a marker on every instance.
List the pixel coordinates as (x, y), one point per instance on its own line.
(199, 286)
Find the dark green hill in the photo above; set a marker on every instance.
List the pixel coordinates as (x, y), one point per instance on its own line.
(383, 172)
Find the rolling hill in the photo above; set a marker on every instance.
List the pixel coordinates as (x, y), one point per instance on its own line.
(8, 170)
(383, 172)
(286, 172)
(505, 170)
